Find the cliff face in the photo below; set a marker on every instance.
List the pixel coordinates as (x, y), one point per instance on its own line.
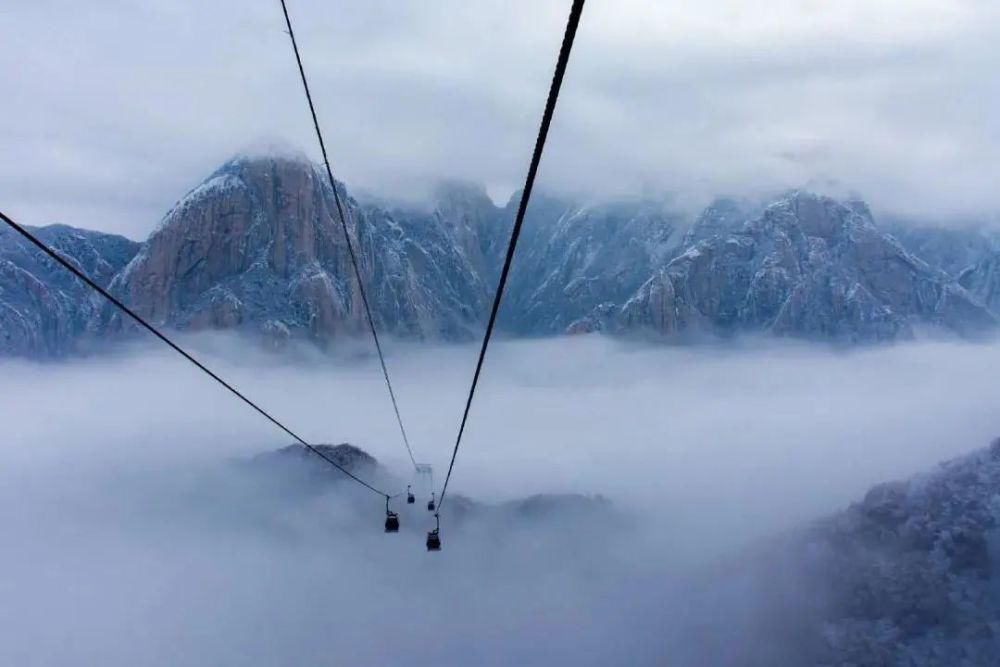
(951, 249)
(809, 267)
(43, 308)
(259, 246)
(983, 280)
(579, 257)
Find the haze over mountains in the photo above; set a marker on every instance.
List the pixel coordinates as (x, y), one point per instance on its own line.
(903, 576)
(257, 248)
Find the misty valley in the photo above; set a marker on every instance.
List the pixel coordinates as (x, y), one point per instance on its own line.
(703, 438)
(620, 502)
(500, 334)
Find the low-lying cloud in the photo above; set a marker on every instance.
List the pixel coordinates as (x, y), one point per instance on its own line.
(131, 537)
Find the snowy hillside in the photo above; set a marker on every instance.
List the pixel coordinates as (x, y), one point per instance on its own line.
(808, 267)
(258, 248)
(43, 308)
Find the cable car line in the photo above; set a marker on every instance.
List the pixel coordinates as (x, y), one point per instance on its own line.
(177, 348)
(392, 518)
(347, 236)
(543, 131)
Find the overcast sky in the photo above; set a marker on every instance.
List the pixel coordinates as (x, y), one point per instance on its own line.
(113, 110)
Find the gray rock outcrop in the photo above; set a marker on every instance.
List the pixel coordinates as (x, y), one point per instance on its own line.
(43, 308)
(582, 257)
(808, 267)
(259, 247)
(983, 281)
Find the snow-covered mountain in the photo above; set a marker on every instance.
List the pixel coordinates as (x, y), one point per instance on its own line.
(983, 280)
(910, 570)
(43, 308)
(258, 247)
(808, 266)
(951, 249)
(905, 576)
(578, 257)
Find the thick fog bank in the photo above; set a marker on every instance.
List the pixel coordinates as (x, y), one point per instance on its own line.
(131, 536)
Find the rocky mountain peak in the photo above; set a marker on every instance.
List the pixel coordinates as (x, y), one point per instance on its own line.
(43, 308)
(810, 266)
(982, 279)
(723, 215)
(462, 193)
(466, 211)
(258, 247)
(804, 215)
(252, 223)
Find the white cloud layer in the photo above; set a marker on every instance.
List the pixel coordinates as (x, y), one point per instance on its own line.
(127, 540)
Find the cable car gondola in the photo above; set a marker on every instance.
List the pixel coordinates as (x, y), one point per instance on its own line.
(433, 541)
(430, 503)
(434, 536)
(410, 499)
(391, 519)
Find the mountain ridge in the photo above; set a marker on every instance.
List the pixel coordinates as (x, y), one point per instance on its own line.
(257, 247)
(807, 266)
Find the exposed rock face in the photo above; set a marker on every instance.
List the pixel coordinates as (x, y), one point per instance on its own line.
(259, 246)
(808, 266)
(720, 218)
(953, 250)
(983, 281)
(478, 228)
(44, 308)
(585, 257)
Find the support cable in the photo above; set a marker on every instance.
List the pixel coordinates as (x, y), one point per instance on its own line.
(543, 131)
(347, 236)
(177, 348)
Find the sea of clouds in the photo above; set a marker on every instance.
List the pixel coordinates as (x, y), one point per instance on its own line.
(133, 536)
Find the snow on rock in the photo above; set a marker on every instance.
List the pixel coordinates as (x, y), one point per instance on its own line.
(910, 572)
(44, 309)
(983, 281)
(808, 267)
(576, 258)
(259, 248)
(951, 248)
